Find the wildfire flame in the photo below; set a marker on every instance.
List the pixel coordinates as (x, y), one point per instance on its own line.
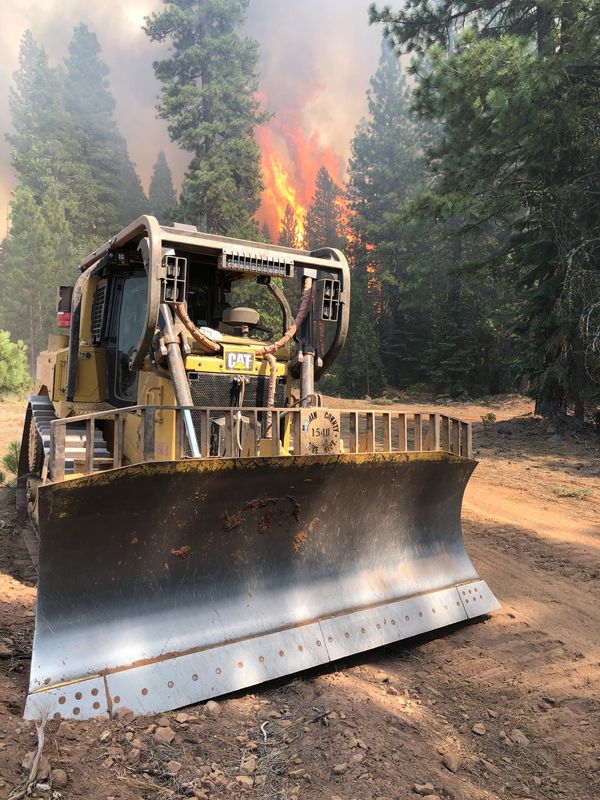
(290, 161)
(278, 192)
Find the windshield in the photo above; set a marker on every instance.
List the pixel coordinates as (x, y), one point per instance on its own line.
(132, 318)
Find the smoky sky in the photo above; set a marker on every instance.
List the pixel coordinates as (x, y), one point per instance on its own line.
(317, 56)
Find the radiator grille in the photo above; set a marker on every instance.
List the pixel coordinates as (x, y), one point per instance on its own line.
(216, 391)
(210, 390)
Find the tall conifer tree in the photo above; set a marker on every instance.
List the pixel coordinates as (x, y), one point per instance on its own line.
(209, 100)
(38, 256)
(324, 217)
(288, 232)
(92, 107)
(47, 147)
(162, 197)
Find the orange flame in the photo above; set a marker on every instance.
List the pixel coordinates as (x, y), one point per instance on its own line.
(278, 192)
(290, 161)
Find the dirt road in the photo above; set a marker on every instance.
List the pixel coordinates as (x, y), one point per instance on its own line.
(511, 703)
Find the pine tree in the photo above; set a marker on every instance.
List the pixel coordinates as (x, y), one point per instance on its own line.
(392, 255)
(324, 216)
(91, 105)
(133, 202)
(47, 147)
(288, 232)
(38, 256)
(359, 370)
(162, 197)
(209, 100)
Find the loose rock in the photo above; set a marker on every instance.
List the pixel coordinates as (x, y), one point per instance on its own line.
(65, 730)
(249, 765)
(490, 767)
(213, 709)
(43, 770)
(245, 781)
(164, 735)
(58, 778)
(479, 729)
(339, 769)
(423, 788)
(452, 761)
(173, 766)
(518, 737)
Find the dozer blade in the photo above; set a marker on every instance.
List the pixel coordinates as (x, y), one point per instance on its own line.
(165, 584)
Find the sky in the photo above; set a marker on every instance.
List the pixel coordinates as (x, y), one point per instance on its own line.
(317, 57)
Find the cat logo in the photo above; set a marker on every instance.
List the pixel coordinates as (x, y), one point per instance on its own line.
(239, 361)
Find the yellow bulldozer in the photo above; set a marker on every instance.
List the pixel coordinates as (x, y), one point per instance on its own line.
(206, 522)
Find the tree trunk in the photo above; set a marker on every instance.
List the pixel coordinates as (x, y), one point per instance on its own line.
(32, 348)
(577, 377)
(543, 18)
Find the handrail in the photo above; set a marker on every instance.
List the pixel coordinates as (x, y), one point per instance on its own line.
(361, 431)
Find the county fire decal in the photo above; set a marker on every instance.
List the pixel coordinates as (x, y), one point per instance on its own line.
(320, 432)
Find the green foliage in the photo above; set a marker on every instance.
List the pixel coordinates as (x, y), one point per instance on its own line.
(91, 106)
(77, 185)
(358, 371)
(10, 460)
(324, 222)
(14, 372)
(163, 200)
(436, 322)
(38, 256)
(517, 103)
(209, 100)
(487, 420)
(247, 292)
(47, 148)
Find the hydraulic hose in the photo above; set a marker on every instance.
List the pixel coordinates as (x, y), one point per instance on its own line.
(208, 345)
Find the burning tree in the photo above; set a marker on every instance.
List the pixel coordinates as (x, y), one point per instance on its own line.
(288, 233)
(324, 220)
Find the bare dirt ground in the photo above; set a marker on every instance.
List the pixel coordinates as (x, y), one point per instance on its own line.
(510, 703)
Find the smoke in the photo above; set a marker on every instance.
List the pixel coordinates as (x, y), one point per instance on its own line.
(126, 50)
(316, 60)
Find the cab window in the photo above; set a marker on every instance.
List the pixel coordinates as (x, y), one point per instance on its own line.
(132, 318)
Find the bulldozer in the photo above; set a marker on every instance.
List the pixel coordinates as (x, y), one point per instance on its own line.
(206, 521)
